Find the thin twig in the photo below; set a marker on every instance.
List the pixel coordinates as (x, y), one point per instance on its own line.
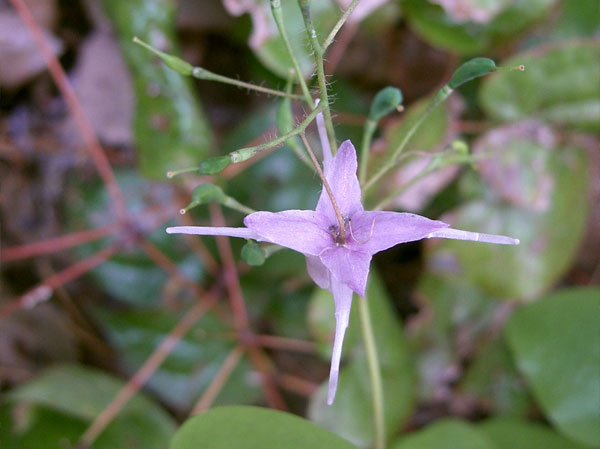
(296, 384)
(147, 370)
(339, 24)
(219, 381)
(283, 343)
(43, 291)
(56, 244)
(87, 131)
(236, 297)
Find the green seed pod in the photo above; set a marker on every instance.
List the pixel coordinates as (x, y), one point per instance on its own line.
(213, 165)
(253, 254)
(471, 69)
(173, 62)
(387, 100)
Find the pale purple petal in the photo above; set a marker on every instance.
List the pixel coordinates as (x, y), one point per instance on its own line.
(244, 233)
(342, 297)
(457, 234)
(341, 176)
(318, 272)
(348, 266)
(301, 230)
(373, 231)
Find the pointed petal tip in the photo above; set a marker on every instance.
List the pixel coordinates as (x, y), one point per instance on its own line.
(333, 380)
(171, 230)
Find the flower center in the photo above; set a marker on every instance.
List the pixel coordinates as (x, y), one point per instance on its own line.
(335, 232)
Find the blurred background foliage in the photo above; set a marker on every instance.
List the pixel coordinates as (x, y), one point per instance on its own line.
(485, 346)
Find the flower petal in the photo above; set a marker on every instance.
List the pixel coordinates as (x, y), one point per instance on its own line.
(342, 297)
(318, 272)
(457, 234)
(373, 231)
(301, 230)
(341, 176)
(348, 266)
(244, 233)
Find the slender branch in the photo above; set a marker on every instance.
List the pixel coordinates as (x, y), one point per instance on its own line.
(374, 373)
(219, 381)
(322, 81)
(244, 154)
(297, 385)
(277, 15)
(339, 24)
(336, 209)
(43, 291)
(368, 131)
(207, 75)
(185, 68)
(147, 370)
(85, 127)
(57, 244)
(283, 343)
(440, 97)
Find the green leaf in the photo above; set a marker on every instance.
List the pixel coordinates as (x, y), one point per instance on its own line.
(561, 85)
(192, 364)
(470, 70)
(253, 428)
(556, 346)
(65, 399)
(387, 100)
(445, 434)
(516, 434)
(170, 128)
(469, 37)
(213, 165)
(538, 196)
(350, 416)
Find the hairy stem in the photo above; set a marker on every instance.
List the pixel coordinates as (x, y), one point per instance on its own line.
(374, 373)
(246, 153)
(318, 54)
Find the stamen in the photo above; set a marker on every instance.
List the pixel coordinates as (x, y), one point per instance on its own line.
(370, 234)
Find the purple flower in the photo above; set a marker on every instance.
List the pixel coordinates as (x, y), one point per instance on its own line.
(336, 260)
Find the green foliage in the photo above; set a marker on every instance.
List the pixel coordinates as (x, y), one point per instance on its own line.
(70, 397)
(253, 428)
(474, 68)
(562, 84)
(387, 100)
(253, 254)
(444, 434)
(556, 345)
(170, 128)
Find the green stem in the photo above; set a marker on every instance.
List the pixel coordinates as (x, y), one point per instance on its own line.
(203, 74)
(277, 15)
(234, 204)
(318, 54)
(440, 97)
(244, 154)
(367, 137)
(339, 24)
(374, 373)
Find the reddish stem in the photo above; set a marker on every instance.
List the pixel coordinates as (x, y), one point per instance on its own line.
(286, 344)
(56, 244)
(43, 291)
(297, 385)
(219, 381)
(145, 372)
(85, 127)
(236, 297)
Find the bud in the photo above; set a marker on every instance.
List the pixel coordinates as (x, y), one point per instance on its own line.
(387, 100)
(471, 69)
(253, 254)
